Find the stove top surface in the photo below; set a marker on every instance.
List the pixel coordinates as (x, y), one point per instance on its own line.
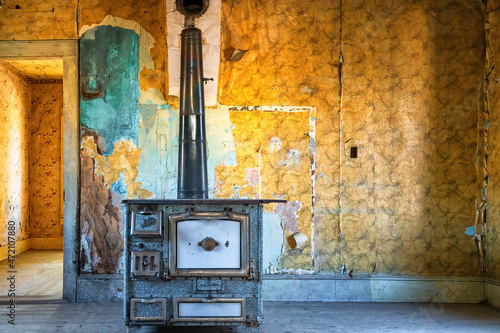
(203, 201)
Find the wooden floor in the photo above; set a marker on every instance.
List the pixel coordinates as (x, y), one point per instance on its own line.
(39, 275)
(279, 317)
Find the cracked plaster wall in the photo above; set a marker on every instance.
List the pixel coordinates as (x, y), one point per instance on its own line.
(405, 91)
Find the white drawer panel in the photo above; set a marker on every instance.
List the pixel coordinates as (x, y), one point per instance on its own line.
(226, 254)
(207, 310)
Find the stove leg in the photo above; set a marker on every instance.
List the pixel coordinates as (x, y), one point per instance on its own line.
(133, 329)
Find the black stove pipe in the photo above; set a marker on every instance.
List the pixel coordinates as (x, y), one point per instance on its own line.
(192, 169)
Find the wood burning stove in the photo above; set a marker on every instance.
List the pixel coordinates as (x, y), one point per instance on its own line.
(193, 261)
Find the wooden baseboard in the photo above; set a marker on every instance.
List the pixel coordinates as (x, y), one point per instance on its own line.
(47, 243)
(21, 246)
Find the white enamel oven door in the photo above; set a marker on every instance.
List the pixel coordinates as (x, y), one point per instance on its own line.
(208, 244)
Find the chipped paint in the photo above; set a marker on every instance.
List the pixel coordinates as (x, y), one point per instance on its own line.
(158, 160)
(146, 41)
(288, 214)
(252, 176)
(101, 233)
(274, 159)
(274, 243)
(121, 166)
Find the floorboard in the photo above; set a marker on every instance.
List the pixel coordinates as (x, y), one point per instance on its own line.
(39, 274)
(280, 317)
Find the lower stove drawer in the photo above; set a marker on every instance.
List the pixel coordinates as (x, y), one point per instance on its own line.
(148, 309)
(209, 309)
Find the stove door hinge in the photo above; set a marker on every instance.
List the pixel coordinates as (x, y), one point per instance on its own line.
(251, 272)
(165, 269)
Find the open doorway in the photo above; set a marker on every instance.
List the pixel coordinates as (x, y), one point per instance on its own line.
(33, 111)
(39, 161)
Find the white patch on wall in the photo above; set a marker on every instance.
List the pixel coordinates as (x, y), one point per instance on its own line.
(209, 24)
(274, 240)
(220, 143)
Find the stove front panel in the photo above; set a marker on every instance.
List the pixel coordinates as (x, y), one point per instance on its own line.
(199, 265)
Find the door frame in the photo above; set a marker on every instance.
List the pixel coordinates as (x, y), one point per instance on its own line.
(68, 51)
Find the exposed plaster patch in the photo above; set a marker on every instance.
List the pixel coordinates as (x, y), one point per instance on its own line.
(292, 159)
(252, 176)
(288, 214)
(470, 231)
(209, 24)
(152, 96)
(275, 144)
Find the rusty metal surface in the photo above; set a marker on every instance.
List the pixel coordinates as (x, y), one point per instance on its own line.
(206, 287)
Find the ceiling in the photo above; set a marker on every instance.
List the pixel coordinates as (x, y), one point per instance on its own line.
(39, 68)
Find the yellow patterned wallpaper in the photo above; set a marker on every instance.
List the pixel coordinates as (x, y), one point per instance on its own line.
(410, 76)
(14, 132)
(492, 227)
(292, 59)
(412, 72)
(45, 160)
(33, 19)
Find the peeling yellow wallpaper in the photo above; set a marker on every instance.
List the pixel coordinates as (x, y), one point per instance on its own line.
(274, 151)
(14, 110)
(45, 160)
(492, 187)
(292, 57)
(410, 76)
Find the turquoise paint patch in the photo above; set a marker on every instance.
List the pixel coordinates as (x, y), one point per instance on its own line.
(109, 86)
(119, 186)
(470, 231)
(231, 157)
